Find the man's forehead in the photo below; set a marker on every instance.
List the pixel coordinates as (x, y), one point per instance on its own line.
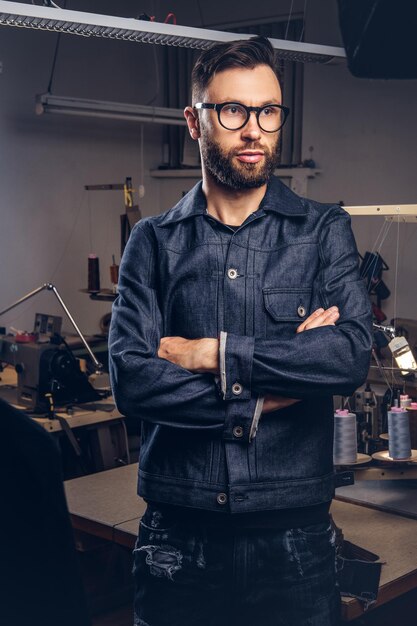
(239, 84)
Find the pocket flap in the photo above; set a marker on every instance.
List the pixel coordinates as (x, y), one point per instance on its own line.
(287, 304)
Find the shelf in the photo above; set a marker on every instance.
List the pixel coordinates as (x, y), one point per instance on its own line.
(104, 295)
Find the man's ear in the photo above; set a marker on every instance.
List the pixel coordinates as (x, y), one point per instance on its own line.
(192, 122)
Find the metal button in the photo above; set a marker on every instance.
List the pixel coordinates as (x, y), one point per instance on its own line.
(301, 311)
(238, 431)
(237, 389)
(232, 273)
(221, 498)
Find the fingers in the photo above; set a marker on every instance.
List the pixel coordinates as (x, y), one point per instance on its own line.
(163, 345)
(320, 317)
(310, 318)
(328, 317)
(169, 346)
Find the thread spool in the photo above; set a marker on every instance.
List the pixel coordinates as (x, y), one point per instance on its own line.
(399, 441)
(93, 273)
(345, 438)
(405, 401)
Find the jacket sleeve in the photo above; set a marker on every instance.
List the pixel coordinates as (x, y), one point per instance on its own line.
(331, 360)
(143, 384)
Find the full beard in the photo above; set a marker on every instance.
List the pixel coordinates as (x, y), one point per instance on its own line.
(237, 175)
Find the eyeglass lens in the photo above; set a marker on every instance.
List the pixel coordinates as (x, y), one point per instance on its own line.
(234, 116)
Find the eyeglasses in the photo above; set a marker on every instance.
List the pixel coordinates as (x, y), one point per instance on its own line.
(234, 115)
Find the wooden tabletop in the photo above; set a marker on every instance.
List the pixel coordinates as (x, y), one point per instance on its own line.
(391, 496)
(99, 502)
(392, 537)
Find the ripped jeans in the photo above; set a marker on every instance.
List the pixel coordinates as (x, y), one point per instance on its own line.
(189, 574)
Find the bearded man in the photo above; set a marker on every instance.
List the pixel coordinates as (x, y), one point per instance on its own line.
(240, 313)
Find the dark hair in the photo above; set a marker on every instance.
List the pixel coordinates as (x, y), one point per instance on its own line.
(247, 53)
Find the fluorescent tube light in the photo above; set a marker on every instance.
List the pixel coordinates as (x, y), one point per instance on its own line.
(48, 103)
(128, 29)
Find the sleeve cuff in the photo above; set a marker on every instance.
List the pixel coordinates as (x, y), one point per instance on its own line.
(256, 417)
(236, 357)
(242, 420)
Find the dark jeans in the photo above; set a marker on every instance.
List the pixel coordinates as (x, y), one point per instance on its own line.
(189, 574)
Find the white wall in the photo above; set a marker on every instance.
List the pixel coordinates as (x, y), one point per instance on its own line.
(363, 134)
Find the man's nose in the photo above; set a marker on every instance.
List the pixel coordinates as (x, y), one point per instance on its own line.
(251, 130)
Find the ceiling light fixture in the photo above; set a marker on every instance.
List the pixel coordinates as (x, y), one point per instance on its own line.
(48, 103)
(127, 29)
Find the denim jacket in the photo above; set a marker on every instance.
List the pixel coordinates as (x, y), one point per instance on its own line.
(183, 273)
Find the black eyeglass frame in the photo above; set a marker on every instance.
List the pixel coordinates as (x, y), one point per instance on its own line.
(258, 110)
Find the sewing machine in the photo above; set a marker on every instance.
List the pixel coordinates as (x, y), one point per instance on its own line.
(45, 371)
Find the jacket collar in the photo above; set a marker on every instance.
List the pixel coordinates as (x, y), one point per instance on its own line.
(278, 198)
(192, 204)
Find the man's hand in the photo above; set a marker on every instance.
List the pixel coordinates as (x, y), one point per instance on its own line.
(320, 317)
(196, 355)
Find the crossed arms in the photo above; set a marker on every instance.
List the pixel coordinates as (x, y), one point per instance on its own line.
(168, 380)
(202, 355)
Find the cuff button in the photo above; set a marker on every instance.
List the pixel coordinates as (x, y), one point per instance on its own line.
(237, 389)
(238, 432)
(221, 498)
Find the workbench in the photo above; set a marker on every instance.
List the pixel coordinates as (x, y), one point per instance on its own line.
(106, 505)
(100, 422)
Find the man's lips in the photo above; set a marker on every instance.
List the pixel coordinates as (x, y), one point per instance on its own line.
(250, 156)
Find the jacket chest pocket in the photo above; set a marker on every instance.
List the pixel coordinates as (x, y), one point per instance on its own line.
(286, 308)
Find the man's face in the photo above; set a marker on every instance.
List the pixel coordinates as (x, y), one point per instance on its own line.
(245, 158)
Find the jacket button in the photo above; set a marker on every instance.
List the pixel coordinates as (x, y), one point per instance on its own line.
(301, 311)
(238, 431)
(221, 498)
(232, 273)
(237, 389)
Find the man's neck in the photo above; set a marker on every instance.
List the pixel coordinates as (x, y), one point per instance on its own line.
(229, 205)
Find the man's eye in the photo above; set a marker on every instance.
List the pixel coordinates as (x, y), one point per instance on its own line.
(233, 110)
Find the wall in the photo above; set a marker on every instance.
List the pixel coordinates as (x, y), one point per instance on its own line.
(49, 223)
(363, 134)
